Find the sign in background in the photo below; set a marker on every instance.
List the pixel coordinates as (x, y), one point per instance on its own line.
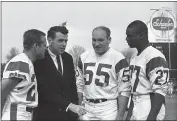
(161, 26)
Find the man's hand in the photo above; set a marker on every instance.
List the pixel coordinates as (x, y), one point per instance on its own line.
(80, 110)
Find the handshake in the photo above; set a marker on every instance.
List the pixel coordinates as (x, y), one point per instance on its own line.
(78, 109)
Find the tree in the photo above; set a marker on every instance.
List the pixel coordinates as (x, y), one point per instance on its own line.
(12, 53)
(128, 52)
(76, 51)
(2, 68)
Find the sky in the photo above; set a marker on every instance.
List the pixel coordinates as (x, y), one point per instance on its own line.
(81, 17)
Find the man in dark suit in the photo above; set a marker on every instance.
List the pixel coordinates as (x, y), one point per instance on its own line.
(56, 80)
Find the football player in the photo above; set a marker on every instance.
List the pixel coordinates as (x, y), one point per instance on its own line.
(170, 88)
(149, 75)
(19, 86)
(103, 79)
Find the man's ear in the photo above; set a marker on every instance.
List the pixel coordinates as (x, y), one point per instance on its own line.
(49, 40)
(141, 35)
(109, 40)
(35, 46)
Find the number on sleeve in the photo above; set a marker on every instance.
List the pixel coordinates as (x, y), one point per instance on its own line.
(159, 80)
(125, 76)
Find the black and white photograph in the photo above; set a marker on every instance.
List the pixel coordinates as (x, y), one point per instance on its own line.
(88, 60)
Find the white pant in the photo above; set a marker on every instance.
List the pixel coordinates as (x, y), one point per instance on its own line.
(142, 107)
(101, 111)
(16, 112)
(19, 115)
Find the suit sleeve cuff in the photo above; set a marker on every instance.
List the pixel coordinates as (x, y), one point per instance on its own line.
(68, 107)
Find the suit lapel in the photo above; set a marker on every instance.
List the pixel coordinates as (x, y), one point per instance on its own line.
(51, 63)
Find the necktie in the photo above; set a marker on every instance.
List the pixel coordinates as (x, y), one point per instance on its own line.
(59, 63)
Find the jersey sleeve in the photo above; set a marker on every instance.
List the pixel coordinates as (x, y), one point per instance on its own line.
(122, 73)
(157, 72)
(79, 77)
(17, 69)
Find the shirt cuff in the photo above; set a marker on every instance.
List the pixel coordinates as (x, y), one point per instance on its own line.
(68, 107)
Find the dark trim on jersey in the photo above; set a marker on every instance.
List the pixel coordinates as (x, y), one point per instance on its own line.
(137, 79)
(13, 112)
(21, 66)
(121, 64)
(80, 65)
(155, 63)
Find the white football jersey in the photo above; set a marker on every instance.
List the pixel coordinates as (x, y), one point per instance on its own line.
(149, 72)
(104, 76)
(25, 92)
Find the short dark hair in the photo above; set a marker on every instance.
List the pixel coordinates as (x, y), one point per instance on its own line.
(141, 27)
(106, 29)
(54, 29)
(31, 37)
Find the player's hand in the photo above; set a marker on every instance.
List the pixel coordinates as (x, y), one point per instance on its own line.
(79, 110)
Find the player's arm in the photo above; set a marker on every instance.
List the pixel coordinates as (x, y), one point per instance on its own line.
(7, 85)
(80, 81)
(156, 103)
(122, 71)
(12, 75)
(158, 74)
(125, 88)
(122, 102)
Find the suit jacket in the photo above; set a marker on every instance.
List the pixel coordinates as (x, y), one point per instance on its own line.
(56, 91)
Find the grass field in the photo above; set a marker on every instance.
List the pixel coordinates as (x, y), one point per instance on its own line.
(171, 107)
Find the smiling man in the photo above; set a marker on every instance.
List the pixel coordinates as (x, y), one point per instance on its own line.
(103, 79)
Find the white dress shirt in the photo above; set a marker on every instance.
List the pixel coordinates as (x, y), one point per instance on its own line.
(54, 58)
